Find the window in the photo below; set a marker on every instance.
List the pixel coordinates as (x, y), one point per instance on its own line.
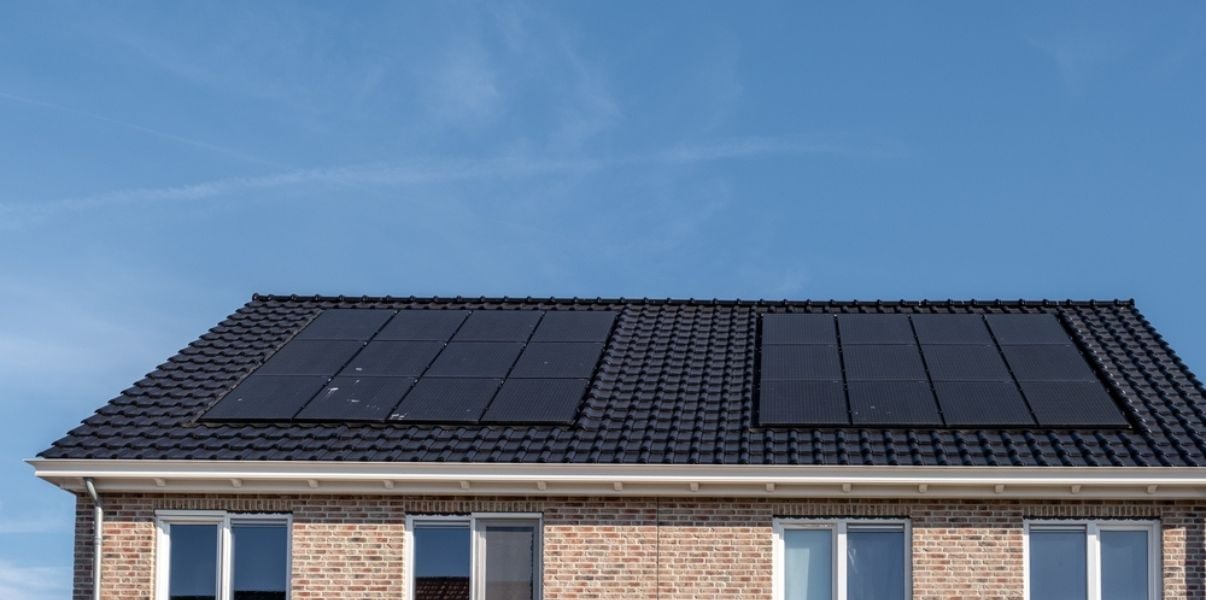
(1092, 560)
(213, 555)
(474, 557)
(847, 559)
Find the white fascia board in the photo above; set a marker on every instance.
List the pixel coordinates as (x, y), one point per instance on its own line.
(201, 476)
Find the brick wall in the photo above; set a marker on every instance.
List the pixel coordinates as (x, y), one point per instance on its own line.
(635, 548)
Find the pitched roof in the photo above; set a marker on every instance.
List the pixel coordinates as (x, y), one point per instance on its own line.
(677, 385)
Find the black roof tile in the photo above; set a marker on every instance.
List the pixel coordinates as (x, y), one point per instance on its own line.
(675, 384)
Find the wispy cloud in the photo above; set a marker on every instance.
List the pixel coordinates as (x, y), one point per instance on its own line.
(434, 170)
(33, 583)
(230, 153)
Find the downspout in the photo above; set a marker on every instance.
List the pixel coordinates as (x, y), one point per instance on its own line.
(98, 526)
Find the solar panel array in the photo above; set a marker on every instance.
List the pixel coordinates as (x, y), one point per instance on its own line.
(427, 366)
(927, 370)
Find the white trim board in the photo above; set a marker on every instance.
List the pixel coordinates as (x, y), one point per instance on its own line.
(560, 479)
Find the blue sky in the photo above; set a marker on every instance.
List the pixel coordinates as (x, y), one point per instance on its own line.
(162, 161)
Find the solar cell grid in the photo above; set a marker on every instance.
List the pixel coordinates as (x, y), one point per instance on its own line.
(310, 357)
(898, 362)
(357, 399)
(801, 363)
(390, 358)
(345, 324)
(558, 360)
(799, 329)
(537, 401)
(1072, 404)
(965, 363)
(889, 403)
(951, 329)
(1048, 363)
(875, 329)
(1028, 329)
(498, 326)
(982, 403)
(796, 402)
(574, 326)
(267, 397)
(438, 400)
(475, 359)
(431, 325)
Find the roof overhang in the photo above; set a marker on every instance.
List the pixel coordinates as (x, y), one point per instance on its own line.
(560, 479)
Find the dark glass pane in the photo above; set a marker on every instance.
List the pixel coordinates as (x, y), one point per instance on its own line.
(193, 568)
(1124, 569)
(1057, 565)
(259, 557)
(808, 564)
(875, 565)
(441, 562)
(510, 562)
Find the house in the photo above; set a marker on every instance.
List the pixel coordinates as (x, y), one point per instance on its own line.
(517, 449)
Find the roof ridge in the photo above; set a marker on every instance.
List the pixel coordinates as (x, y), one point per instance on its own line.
(257, 297)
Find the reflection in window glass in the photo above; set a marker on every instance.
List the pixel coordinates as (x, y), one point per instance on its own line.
(1057, 565)
(510, 562)
(193, 568)
(1124, 565)
(875, 564)
(808, 564)
(441, 555)
(259, 557)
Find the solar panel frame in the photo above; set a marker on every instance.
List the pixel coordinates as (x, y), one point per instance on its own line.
(575, 326)
(266, 398)
(982, 404)
(875, 329)
(310, 357)
(446, 400)
(1028, 329)
(498, 326)
(882, 363)
(802, 403)
(475, 359)
(356, 399)
(965, 363)
(1068, 404)
(817, 363)
(1048, 363)
(791, 328)
(937, 329)
(358, 324)
(423, 325)
(389, 358)
(558, 360)
(893, 403)
(542, 400)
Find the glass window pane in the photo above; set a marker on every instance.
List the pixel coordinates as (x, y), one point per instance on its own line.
(807, 564)
(1124, 565)
(259, 557)
(193, 558)
(1057, 565)
(441, 561)
(510, 561)
(875, 564)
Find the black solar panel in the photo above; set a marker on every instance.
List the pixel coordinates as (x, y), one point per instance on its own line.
(310, 357)
(888, 403)
(871, 363)
(801, 363)
(345, 324)
(1048, 363)
(357, 399)
(951, 329)
(1028, 329)
(537, 401)
(267, 397)
(802, 402)
(575, 326)
(875, 329)
(1072, 404)
(965, 363)
(396, 359)
(982, 403)
(475, 359)
(437, 325)
(435, 400)
(798, 329)
(498, 326)
(559, 360)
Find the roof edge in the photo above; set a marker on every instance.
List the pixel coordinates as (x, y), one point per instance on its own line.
(564, 479)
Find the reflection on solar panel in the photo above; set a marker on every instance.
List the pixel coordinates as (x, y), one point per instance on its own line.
(427, 366)
(927, 370)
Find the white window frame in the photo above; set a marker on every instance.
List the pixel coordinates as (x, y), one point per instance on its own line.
(164, 519)
(840, 528)
(477, 523)
(1092, 529)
